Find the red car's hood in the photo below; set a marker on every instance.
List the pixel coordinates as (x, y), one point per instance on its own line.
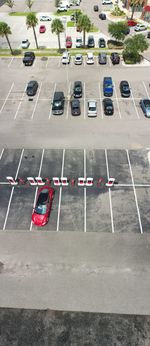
(39, 220)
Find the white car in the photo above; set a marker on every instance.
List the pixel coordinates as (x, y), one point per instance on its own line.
(78, 59)
(25, 44)
(65, 58)
(62, 8)
(140, 27)
(45, 18)
(78, 42)
(92, 108)
(90, 58)
(106, 2)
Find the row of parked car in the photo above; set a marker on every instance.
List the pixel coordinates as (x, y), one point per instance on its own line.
(102, 58)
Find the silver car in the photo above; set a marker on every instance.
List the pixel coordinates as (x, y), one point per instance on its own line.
(145, 105)
(45, 18)
(25, 44)
(78, 59)
(92, 108)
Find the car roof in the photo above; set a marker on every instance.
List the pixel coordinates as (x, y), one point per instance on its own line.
(124, 82)
(92, 102)
(75, 102)
(32, 82)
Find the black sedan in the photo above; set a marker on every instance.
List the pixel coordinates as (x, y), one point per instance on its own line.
(75, 107)
(77, 89)
(32, 88)
(108, 106)
(125, 88)
(101, 42)
(115, 58)
(102, 16)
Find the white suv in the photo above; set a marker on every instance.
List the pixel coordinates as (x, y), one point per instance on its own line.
(106, 2)
(78, 42)
(90, 58)
(65, 58)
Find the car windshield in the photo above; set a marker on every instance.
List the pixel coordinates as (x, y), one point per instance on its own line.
(78, 57)
(41, 202)
(92, 108)
(25, 41)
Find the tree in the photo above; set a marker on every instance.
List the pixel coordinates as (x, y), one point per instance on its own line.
(134, 4)
(5, 31)
(84, 24)
(57, 27)
(31, 22)
(29, 4)
(10, 3)
(134, 46)
(117, 30)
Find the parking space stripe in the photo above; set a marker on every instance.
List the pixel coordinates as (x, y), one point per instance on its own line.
(68, 100)
(146, 90)
(117, 100)
(19, 104)
(12, 191)
(100, 99)
(7, 97)
(50, 113)
(137, 113)
(47, 62)
(84, 101)
(84, 191)
(134, 190)
(36, 101)
(10, 62)
(110, 201)
(1, 154)
(60, 191)
(39, 174)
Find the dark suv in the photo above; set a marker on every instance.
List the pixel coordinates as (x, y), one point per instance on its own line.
(102, 58)
(101, 43)
(77, 89)
(58, 103)
(115, 58)
(28, 58)
(91, 42)
(124, 88)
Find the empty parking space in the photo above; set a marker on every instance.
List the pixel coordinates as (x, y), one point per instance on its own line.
(96, 208)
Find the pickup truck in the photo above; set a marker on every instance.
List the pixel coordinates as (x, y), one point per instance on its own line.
(28, 58)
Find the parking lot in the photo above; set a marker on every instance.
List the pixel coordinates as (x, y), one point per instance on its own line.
(122, 208)
(15, 104)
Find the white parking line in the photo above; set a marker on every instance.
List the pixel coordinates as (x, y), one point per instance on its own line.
(68, 100)
(50, 113)
(12, 191)
(10, 61)
(36, 101)
(7, 97)
(84, 105)
(19, 104)
(39, 174)
(47, 62)
(110, 63)
(110, 201)
(84, 191)
(117, 100)
(60, 191)
(146, 90)
(59, 62)
(137, 113)
(100, 99)
(1, 154)
(134, 190)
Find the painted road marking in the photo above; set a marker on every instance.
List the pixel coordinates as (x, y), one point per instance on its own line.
(60, 191)
(117, 101)
(7, 97)
(50, 113)
(36, 101)
(85, 191)
(110, 201)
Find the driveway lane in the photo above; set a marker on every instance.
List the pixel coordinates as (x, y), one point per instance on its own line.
(5, 191)
(9, 163)
(72, 201)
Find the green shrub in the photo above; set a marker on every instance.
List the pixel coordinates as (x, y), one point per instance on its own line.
(117, 12)
(112, 44)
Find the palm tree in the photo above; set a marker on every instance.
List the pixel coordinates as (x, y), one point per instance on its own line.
(57, 27)
(5, 31)
(29, 4)
(134, 4)
(10, 3)
(31, 22)
(84, 24)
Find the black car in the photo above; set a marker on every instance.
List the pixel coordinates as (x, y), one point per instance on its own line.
(115, 58)
(102, 58)
(32, 88)
(148, 34)
(75, 107)
(77, 89)
(28, 58)
(125, 88)
(108, 106)
(91, 42)
(101, 43)
(127, 30)
(96, 8)
(102, 16)
(58, 103)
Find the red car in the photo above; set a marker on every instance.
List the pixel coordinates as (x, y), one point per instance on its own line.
(68, 42)
(41, 211)
(42, 29)
(131, 22)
